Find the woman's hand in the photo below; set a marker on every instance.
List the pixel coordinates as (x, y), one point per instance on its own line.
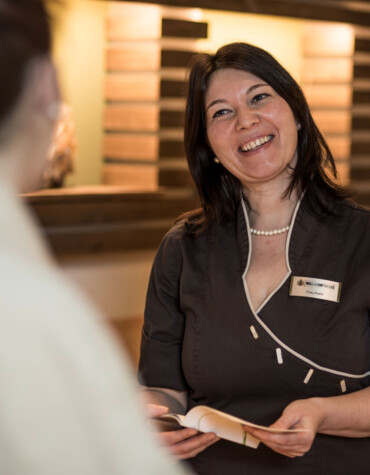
(182, 443)
(302, 414)
(187, 443)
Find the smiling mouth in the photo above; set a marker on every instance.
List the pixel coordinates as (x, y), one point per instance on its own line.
(255, 144)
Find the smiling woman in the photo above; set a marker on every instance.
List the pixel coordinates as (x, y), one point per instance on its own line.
(244, 311)
(251, 129)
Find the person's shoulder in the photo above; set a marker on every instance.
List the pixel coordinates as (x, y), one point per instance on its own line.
(188, 225)
(355, 210)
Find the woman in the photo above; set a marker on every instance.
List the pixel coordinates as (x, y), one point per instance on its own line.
(258, 304)
(67, 402)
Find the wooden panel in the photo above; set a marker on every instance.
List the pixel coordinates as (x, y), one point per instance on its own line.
(127, 21)
(113, 204)
(175, 178)
(331, 70)
(132, 87)
(171, 148)
(361, 71)
(333, 95)
(176, 58)
(360, 173)
(362, 44)
(133, 57)
(361, 97)
(184, 28)
(340, 147)
(360, 148)
(333, 121)
(139, 117)
(328, 40)
(143, 177)
(171, 88)
(359, 123)
(171, 118)
(325, 10)
(131, 146)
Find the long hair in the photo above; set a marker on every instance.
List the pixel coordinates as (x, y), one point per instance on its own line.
(218, 189)
(24, 35)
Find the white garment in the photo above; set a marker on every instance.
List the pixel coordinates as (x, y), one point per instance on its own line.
(68, 402)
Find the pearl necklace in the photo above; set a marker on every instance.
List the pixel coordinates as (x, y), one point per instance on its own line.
(273, 232)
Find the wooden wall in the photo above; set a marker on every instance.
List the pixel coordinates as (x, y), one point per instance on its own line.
(146, 58)
(360, 151)
(327, 83)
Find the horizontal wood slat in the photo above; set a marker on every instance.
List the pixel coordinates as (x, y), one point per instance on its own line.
(325, 10)
(361, 97)
(131, 146)
(360, 148)
(171, 118)
(184, 28)
(328, 40)
(132, 87)
(171, 148)
(360, 173)
(135, 176)
(139, 117)
(333, 121)
(333, 70)
(359, 123)
(173, 178)
(331, 95)
(361, 71)
(134, 22)
(170, 88)
(176, 58)
(144, 56)
(362, 45)
(108, 219)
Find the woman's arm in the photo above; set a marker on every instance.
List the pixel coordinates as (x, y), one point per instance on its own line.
(347, 416)
(183, 443)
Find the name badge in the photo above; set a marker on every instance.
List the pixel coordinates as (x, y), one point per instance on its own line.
(315, 288)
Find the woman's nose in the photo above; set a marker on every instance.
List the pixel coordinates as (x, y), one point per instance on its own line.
(246, 118)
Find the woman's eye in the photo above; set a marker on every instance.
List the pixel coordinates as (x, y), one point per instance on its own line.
(259, 97)
(220, 113)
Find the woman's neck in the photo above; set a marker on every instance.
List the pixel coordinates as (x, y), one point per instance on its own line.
(267, 209)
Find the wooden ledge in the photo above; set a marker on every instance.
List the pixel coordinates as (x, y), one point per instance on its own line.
(106, 219)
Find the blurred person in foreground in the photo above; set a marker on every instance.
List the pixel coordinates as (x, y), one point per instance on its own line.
(67, 397)
(258, 304)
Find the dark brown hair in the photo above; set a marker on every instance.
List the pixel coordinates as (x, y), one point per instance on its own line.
(218, 189)
(24, 35)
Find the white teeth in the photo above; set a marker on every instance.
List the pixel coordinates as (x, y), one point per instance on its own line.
(255, 143)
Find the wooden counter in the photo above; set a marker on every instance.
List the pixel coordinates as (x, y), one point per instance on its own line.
(102, 219)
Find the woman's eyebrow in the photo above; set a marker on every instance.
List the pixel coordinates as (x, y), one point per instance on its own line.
(251, 89)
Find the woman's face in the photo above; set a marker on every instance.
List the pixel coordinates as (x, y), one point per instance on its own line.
(251, 129)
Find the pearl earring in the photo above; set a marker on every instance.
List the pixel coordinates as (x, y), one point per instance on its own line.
(216, 160)
(299, 126)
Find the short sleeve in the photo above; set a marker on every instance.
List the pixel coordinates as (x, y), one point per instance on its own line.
(162, 337)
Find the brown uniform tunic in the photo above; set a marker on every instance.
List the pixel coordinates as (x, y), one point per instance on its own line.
(197, 334)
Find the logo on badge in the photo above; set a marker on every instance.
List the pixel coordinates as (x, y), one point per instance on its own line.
(301, 282)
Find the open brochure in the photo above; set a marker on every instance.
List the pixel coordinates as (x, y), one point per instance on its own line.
(206, 419)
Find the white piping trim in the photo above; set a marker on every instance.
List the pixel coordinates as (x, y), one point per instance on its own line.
(263, 325)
